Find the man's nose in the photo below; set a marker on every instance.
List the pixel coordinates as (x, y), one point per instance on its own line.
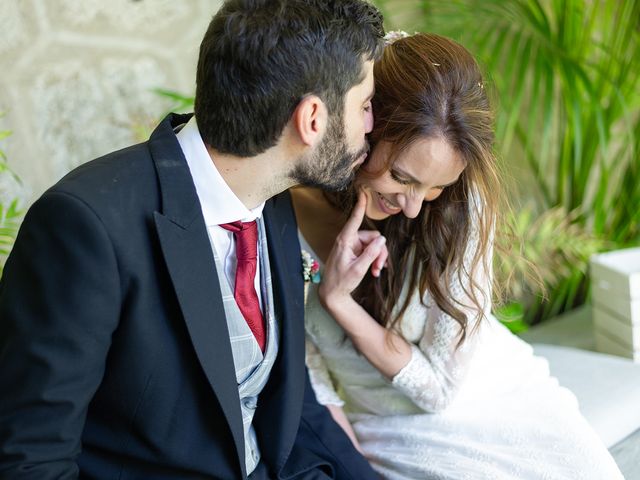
(368, 121)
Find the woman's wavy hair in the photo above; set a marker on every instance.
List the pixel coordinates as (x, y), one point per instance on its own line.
(428, 86)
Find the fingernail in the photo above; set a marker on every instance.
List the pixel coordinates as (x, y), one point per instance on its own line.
(381, 239)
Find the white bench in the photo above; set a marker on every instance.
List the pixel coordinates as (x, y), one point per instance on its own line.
(607, 387)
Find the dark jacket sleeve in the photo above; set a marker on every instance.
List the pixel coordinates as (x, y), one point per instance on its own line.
(59, 305)
(321, 435)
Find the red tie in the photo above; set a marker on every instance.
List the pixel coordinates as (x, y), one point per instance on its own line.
(246, 235)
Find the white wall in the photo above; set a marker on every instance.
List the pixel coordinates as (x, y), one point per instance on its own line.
(75, 75)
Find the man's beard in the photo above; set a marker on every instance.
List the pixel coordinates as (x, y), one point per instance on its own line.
(330, 165)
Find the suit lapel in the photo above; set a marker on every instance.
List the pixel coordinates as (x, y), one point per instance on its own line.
(187, 253)
(280, 404)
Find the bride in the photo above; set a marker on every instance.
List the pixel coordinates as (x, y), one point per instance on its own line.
(410, 361)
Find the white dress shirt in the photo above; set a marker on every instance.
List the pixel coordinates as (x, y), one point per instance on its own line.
(218, 202)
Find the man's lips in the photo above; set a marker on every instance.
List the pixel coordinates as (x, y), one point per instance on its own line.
(360, 160)
(364, 153)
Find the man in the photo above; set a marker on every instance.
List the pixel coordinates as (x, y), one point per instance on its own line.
(151, 312)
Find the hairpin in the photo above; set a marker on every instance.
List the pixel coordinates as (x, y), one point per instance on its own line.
(394, 35)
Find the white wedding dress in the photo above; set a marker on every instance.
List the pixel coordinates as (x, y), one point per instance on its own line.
(487, 410)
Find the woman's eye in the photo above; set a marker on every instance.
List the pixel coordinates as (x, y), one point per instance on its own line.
(401, 181)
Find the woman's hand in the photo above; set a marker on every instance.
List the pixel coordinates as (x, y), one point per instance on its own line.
(353, 252)
(351, 256)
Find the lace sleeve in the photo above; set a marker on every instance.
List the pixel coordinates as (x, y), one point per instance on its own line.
(437, 366)
(319, 376)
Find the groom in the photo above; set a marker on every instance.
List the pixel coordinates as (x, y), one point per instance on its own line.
(151, 312)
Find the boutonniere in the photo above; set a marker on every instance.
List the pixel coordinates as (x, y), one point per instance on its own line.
(310, 272)
(310, 268)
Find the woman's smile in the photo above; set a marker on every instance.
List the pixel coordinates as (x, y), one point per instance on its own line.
(386, 205)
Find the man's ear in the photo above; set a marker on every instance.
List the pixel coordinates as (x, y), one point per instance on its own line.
(310, 119)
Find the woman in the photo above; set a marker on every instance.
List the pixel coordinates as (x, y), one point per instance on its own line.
(432, 385)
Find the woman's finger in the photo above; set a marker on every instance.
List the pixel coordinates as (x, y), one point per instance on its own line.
(380, 262)
(350, 228)
(368, 236)
(361, 264)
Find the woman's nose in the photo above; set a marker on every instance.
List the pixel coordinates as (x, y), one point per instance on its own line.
(412, 206)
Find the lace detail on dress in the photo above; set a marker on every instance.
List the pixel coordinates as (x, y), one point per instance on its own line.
(438, 365)
(411, 381)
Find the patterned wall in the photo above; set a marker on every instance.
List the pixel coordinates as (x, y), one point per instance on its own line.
(77, 75)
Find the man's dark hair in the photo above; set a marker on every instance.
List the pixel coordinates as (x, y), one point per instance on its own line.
(259, 58)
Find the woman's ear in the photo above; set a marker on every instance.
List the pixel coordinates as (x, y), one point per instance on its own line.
(310, 119)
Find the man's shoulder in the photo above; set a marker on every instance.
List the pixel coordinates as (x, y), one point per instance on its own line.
(128, 171)
(109, 173)
(118, 188)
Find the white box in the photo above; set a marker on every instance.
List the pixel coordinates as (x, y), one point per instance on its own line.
(626, 309)
(618, 272)
(605, 344)
(615, 286)
(615, 328)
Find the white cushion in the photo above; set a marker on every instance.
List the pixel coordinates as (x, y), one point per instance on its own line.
(607, 388)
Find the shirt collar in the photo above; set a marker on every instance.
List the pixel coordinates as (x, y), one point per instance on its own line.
(218, 202)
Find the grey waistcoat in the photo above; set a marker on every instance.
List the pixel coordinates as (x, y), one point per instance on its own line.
(251, 366)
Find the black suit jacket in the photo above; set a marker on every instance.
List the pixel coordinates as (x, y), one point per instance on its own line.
(115, 359)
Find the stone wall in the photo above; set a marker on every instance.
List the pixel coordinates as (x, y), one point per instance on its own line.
(76, 77)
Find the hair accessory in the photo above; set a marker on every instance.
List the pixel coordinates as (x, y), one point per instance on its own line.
(394, 35)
